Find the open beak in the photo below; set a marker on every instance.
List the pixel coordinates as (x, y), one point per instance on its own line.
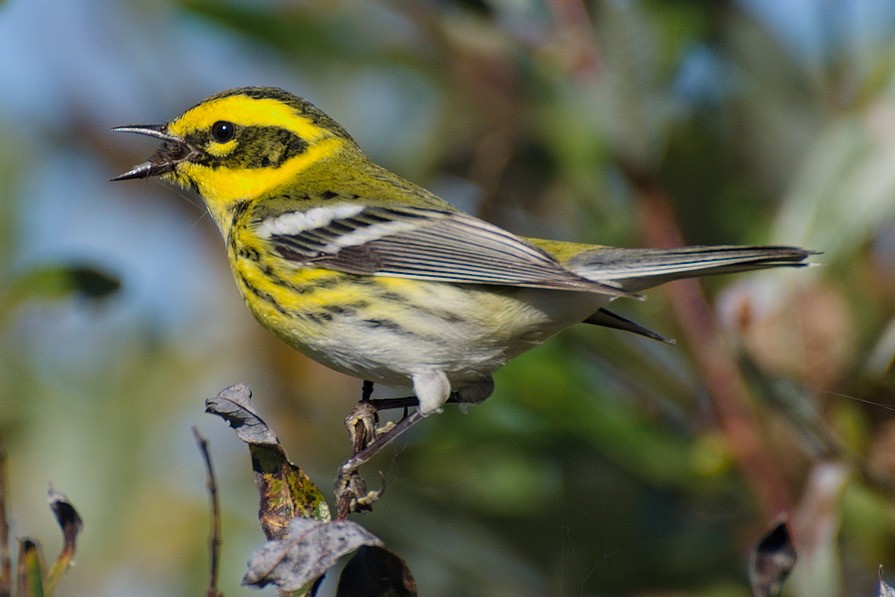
(172, 152)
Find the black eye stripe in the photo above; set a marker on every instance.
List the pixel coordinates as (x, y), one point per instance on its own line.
(222, 131)
(254, 146)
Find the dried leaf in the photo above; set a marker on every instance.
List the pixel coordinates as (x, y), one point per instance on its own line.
(234, 405)
(308, 549)
(772, 561)
(31, 580)
(286, 492)
(374, 571)
(71, 524)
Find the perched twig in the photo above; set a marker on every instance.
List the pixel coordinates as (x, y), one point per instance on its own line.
(350, 488)
(215, 542)
(368, 439)
(391, 434)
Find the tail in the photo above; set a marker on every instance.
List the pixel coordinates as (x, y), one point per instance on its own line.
(637, 269)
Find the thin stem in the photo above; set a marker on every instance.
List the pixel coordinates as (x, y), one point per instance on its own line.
(5, 558)
(364, 456)
(215, 541)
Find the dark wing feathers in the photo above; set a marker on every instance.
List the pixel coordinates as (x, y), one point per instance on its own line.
(608, 319)
(429, 244)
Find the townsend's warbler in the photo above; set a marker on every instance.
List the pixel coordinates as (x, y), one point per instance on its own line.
(376, 277)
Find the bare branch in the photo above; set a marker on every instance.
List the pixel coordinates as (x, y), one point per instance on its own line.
(215, 541)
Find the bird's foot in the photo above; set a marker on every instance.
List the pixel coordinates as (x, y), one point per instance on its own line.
(367, 438)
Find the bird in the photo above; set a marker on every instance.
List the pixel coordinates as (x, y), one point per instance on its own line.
(375, 276)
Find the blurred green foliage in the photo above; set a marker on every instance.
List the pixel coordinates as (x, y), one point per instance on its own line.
(602, 465)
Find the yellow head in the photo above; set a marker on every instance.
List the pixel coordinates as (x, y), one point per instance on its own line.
(241, 144)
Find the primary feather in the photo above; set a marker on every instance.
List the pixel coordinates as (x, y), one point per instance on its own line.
(637, 269)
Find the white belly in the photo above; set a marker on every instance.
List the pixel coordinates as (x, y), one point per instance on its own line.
(469, 334)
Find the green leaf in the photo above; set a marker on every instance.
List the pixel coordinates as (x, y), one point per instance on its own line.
(60, 281)
(31, 577)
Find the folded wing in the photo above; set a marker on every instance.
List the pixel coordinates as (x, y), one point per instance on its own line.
(419, 243)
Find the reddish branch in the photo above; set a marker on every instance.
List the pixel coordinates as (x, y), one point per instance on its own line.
(717, 366)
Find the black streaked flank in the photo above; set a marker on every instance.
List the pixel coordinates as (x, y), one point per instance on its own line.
(239, 208)
(296, 194)
(263, 296)
(387, 324)
(250, 254)
(302, 289)
(340, 310)
(392, 297)
(441, 314)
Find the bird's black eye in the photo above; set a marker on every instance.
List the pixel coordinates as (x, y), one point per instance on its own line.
(222, 131)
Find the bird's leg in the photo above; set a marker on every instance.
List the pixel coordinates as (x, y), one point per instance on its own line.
(367, 390)
(408, 401)
(471, 394)
(367, 440)
(363, 420)
(351, 489)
